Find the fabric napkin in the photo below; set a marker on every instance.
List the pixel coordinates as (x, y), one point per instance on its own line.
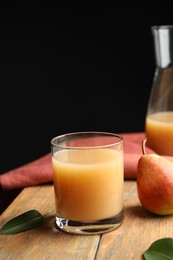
(40, 170)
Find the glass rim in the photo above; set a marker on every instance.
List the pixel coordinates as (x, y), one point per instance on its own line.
(159, 27)
(92, 134)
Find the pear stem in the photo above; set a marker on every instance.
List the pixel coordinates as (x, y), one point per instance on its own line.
(143, 146)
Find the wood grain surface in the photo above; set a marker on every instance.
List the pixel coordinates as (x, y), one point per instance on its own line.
(138, 230)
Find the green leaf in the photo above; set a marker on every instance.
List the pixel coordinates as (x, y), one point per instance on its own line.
(25, 221)
(160, 249)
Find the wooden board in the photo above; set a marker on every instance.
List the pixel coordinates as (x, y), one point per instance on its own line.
(129, 241)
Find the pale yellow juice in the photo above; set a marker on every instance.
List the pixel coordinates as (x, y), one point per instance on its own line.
(159, 132)
(88, 183)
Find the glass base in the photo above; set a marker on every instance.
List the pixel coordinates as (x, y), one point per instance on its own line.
(86, 228)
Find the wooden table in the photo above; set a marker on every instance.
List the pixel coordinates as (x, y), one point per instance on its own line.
(129, 241)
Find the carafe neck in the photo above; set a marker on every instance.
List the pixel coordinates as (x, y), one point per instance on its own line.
(163, 45)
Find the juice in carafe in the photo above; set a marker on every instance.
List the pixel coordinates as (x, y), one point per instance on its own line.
(159, 132)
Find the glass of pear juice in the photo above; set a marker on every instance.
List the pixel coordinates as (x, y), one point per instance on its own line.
(88, 178)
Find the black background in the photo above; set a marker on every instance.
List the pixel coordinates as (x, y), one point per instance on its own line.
(66, 69)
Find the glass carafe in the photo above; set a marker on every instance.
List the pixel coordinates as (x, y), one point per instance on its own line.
(159, 117)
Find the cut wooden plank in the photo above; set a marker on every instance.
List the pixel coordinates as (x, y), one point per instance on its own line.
(138, 231)
(43, 242)
(129, 241)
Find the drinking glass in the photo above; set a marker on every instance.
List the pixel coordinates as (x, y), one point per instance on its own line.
(88, 177)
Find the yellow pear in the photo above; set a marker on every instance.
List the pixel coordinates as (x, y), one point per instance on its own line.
(155, 183)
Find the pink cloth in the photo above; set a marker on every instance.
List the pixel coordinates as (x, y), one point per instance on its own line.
(40, 170)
